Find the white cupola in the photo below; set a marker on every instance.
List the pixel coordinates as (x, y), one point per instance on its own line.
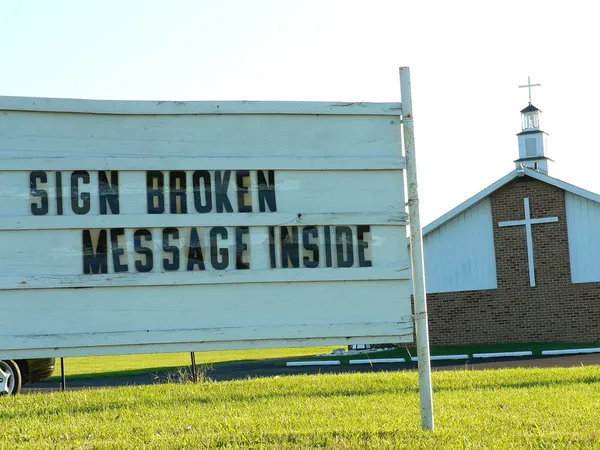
(532, 140)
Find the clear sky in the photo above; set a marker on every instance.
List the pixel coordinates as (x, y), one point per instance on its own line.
(466, 60)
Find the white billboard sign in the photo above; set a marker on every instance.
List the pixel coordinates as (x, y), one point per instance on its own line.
(138, 227)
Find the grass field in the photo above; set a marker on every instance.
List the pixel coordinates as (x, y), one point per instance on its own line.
(511, 408)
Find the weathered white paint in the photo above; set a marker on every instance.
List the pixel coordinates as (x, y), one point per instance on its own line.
(528, 222)
(416, 254)
(460, 255)
(160, 318)
(377, 361)
(501, 354)
(58, 261)
(65, 135)
(233, 163)
(132, 107)
(208, 277)
(583, 225)
(242, 219)
(572, 351)
(356, 195)
(335, 165)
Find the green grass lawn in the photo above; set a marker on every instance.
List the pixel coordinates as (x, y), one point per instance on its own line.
(121, 365)
(511, 408)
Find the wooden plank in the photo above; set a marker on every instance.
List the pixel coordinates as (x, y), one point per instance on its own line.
(61, 252)
(401, 272)
(295, 192)
(50, 135)
(205, 163)
(112, 318)
(219, 334)
(198, 220)
(64, 352)
(129, 107)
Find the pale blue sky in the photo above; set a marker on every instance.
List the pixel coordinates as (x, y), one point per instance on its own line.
(466, 60)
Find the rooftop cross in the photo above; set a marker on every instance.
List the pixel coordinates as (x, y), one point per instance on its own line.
(529, 85)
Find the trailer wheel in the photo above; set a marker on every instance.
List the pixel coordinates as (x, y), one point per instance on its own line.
(10, 378)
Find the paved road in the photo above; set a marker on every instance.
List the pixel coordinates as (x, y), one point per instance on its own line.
(243, 370)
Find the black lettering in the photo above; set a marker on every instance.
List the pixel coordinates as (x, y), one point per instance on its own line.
(94, 262)
(203, 175)
(117, 251)
(76, 206)
(241, 246)
(221, 185)
(242, 191)
(307, 233)
(177, 193)
(195, 257)
(266, 191)
(109, 191)
(272, 247)
(141, 250)
(327, 232)
(290, 251)
(343, 241)
(59, 194)
(170, 233)
(363, 245)
(155, 192)
(41, 208)
(223, 252)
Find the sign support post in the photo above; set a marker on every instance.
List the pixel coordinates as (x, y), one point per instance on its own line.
(416, 255)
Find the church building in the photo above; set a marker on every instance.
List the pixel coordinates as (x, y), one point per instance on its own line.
(520, 260)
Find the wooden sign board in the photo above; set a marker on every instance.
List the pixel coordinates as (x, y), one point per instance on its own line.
(139, 227)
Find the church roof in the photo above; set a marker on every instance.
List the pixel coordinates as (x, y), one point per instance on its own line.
(532, 132)
(501, 182)
(529, 109)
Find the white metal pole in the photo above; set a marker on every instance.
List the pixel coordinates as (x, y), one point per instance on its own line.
(416, 254)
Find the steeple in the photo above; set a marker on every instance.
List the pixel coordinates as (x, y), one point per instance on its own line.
(532, 140)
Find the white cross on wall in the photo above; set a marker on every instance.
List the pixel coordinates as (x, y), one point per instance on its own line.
(528, 222)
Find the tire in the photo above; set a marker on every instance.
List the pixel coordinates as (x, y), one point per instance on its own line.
(10, 377)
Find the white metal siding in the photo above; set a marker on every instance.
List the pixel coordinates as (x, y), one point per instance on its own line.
(459, 256)
(583, 224)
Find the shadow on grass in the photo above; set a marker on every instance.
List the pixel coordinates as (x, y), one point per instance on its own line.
(145, 371)
(114, 374)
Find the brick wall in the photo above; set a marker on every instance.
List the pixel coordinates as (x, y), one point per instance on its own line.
(554, 310)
